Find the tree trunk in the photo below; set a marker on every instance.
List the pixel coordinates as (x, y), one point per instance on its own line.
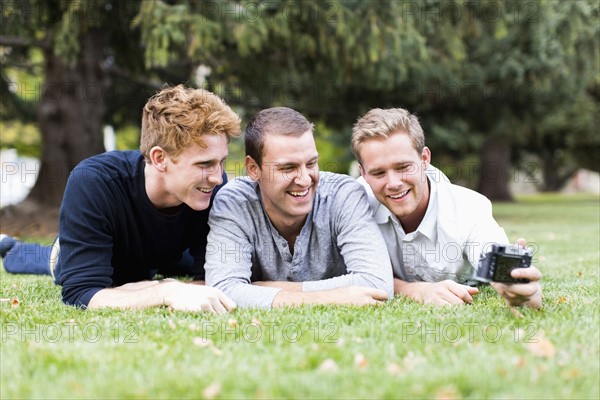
(556, 175)
(495, 169)
(70, 116)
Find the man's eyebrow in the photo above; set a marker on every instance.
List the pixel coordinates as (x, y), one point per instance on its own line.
(395, 165)
(211, 161)
(373, 170)
(286, 164)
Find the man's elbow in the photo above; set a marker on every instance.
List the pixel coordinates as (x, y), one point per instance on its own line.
(77, 297)
(385, 283)
(389, 288)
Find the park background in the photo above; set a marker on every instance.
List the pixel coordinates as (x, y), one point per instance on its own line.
(508, 93)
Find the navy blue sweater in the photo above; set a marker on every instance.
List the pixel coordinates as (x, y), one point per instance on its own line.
(111, 234)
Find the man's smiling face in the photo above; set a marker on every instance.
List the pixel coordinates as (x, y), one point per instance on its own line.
(396, 173)
(191, 177)
(288, 177)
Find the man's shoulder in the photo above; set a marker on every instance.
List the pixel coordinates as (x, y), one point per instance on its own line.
(238, 192)
(239, 186)
(331, 183)
(457, 203)
(110, 165)
(373, 202)
(460, 195)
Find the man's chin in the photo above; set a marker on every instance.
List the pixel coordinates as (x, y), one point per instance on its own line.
(300, 210)
(199, 205)
(399, 211)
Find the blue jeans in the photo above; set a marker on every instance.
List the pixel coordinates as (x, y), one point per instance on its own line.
(34, 258)
(25, 258)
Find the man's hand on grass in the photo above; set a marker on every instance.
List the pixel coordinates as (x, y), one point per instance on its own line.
(193, 297)
(168, 292)
(522, 294)
(437, 293)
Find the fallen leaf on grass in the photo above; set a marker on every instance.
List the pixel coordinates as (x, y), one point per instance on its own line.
(360, 361)
(211, 391)
(13, 302)
(561, 299)
(328, 366)
(542, 348)
(448, 393)
(232, 322)
(520, 362)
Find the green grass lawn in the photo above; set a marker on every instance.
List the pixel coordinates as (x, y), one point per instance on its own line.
(400, 350)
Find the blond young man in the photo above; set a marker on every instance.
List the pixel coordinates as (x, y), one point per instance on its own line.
(434, 231)
(128, 215)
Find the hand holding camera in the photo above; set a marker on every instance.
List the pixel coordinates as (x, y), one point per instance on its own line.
(497, 264)
(510, 273)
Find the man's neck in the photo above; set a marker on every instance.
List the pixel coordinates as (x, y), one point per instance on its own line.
(155, 191)
(289, 230)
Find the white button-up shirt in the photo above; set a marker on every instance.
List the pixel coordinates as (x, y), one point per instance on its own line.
(457, 228)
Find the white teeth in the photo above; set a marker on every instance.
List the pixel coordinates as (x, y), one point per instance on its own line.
(204, 190)
(399, 195)
(299, 194)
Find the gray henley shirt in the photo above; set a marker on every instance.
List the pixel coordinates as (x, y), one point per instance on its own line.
(339, 244)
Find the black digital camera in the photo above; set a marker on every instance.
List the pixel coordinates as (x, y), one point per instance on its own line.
(496, 265)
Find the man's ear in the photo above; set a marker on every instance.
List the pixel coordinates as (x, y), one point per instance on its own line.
(426, 156)
(362, 170)
(158, 158)
(252, 168)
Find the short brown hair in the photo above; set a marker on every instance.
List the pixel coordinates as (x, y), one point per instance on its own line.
(272, 121)
(176, 117)
(379, 123)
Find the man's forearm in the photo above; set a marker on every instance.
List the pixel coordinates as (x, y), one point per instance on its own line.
(350, 295)
(169, 292)
(292, 298)
(132, 295)
(384, 283)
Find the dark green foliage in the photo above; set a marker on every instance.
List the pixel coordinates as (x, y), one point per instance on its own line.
(525, 73)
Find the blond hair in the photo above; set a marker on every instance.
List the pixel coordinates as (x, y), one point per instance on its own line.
(177, 117)
(380, 124)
